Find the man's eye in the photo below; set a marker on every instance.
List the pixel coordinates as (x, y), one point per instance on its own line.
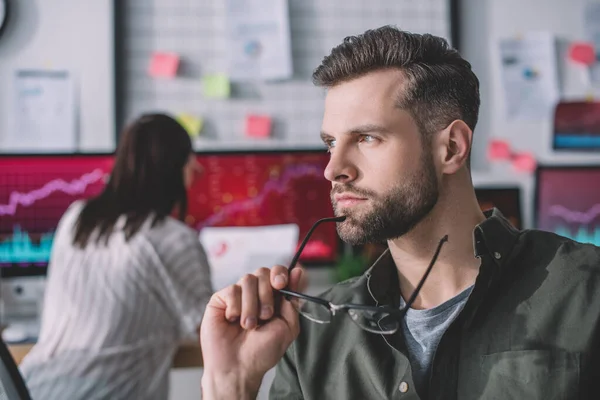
(330, 144)
(367, 139)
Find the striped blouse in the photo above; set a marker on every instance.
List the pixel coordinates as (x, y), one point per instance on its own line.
(114, 315)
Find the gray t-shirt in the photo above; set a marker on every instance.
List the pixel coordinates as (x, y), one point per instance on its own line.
(423, 330)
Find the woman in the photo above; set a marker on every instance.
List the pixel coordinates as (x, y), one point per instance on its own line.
(126, 281)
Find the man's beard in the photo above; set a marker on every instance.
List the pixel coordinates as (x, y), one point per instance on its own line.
(392, 214)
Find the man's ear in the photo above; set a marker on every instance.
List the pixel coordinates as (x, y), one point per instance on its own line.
(453, 146)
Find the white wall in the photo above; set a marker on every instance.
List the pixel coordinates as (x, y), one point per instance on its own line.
(484, 22)
(487, 21)
(69, 35)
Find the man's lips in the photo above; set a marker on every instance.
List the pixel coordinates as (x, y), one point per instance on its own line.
(347, 200)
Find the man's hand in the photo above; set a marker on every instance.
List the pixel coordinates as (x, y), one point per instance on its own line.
(245, 331)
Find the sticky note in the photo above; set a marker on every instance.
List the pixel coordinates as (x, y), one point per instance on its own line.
(582, 53)
(216, 86)
(191, 123)
(524, 162)
(498, 150)
(258, 126)
(163, 65)
(589, 97)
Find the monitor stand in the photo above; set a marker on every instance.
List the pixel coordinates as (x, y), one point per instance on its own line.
(21, 300)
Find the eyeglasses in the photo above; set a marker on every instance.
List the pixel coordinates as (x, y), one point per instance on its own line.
(375, 319)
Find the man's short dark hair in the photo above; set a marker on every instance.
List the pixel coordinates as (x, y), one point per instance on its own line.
(441, 87)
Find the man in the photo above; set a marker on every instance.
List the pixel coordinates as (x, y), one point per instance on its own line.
(503, 314)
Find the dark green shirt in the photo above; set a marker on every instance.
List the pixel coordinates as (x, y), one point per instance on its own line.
(529, 331)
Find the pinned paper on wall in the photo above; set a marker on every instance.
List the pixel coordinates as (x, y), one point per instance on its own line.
(163, 65)
(582, 53)
(45, 109)
(529, 74)
(191, 123)
(591, 23)
(258, 39)
(591, 26)
(216, 86)
(258, 126)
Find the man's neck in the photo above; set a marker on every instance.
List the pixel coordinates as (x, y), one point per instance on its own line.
(456, 267)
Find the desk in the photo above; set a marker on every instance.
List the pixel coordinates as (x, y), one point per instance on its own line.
(187, 356)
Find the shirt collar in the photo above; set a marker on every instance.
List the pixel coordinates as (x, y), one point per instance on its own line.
(494, 237)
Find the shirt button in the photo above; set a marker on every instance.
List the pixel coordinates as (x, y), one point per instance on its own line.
(403, 387)
(497, 255)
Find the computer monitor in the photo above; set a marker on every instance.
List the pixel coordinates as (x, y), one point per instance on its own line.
(238, 189)
(567, 201)
(35, 190)
(505, 199)
(577, 126)
(267, 188)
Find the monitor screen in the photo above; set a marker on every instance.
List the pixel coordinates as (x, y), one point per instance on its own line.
(505, 199)
(568, 202)
(267, 188)
(237, 189)
(577, 126)
(34, 193)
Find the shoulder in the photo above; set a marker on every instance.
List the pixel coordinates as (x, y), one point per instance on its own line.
(73, 210)
(558, 258)
(550, 248)
(69, 218)
(171, 229)
(171, 236)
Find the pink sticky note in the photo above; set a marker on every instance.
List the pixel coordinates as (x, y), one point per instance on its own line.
(583, 53)
(163, 65)
(258, 126)
(498, 150)
(524, 162)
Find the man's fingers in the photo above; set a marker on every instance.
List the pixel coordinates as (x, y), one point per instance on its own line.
(279, 277)
(232, 297)
(288, 312)
(298, 280)
(265, 293)
(250, 304)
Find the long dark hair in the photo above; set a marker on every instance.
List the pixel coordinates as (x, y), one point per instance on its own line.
(146, 180)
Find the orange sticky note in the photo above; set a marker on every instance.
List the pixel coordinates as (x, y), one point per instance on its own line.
(524, 162)
(258, 126)
(583, 53)
(498, 150)
(163, 65)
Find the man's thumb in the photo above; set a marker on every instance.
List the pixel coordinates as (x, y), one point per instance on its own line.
(298, 280)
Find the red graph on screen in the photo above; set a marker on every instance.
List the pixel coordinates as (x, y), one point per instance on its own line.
(266, 189)
(573, 216)
(276, 187)
(569, 202)
(236, 190)
(77, 186)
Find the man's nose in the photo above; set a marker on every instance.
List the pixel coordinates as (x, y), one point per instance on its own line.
(340, 168)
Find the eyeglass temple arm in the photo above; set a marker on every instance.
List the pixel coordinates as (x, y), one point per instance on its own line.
(299, 251)
(412, 298)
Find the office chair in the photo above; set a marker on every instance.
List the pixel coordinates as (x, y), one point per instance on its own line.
(12, 385)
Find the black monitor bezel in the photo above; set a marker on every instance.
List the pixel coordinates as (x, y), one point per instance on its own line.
(507, 187)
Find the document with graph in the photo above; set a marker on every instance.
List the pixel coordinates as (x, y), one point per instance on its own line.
(236, 251)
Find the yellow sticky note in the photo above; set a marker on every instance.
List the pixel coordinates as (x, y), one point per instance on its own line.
(589, 97)
(191, 123)
(216, 86)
